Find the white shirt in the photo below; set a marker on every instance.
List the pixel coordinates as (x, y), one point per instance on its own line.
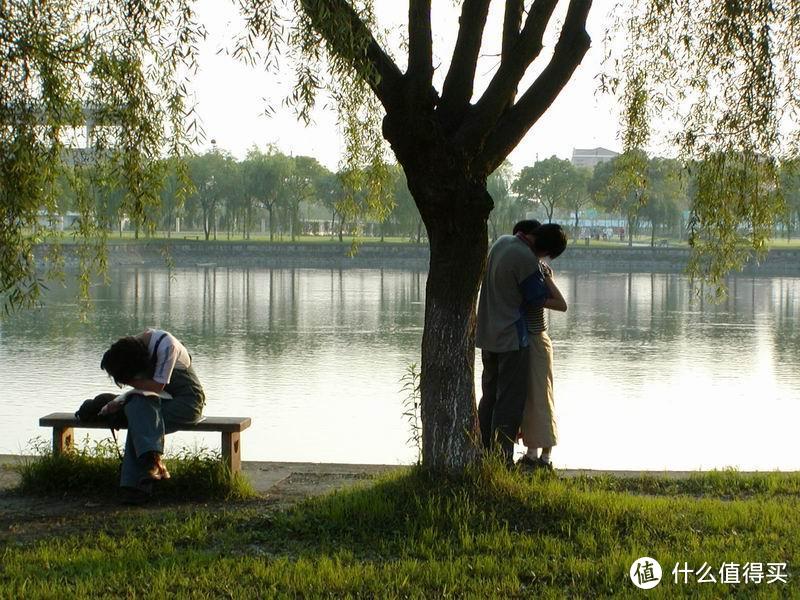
(171, 354)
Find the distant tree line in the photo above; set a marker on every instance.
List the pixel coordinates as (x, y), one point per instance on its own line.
(650, 194)
(286, 196)
(267, 192)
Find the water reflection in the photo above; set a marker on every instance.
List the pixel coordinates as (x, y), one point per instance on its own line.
(647, 375)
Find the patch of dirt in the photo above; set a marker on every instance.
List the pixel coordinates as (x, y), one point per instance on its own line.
(27, 518)
(299, 486)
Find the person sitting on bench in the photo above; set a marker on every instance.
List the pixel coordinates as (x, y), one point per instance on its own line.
(166, 395)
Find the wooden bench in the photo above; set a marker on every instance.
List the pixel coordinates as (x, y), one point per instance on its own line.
(231, 428)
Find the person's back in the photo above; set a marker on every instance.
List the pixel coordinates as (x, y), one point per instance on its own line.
(510, 267)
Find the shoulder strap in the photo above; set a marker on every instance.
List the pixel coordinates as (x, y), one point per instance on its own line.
(154, 358)
(158, 341)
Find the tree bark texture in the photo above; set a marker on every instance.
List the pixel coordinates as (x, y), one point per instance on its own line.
(458, 247)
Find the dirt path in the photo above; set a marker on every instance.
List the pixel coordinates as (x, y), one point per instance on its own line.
(25, 518)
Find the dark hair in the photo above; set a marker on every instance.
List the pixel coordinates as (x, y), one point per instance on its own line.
(527, 226)
(126, 359)
(550, 238)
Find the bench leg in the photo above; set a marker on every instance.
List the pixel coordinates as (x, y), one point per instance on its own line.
(231, 452)
(63, 439)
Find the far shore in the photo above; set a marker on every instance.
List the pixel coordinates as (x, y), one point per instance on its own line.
(184, 251)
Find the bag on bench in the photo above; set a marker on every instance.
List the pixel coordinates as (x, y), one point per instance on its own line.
(89, 412)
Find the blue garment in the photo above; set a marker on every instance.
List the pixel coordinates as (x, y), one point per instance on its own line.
(534, 293)
(150, 418)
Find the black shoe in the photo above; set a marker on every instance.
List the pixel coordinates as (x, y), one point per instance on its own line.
(526, 463)
(134, 496)
(543, 465)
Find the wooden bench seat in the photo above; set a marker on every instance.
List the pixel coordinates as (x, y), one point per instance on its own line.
(231, 428)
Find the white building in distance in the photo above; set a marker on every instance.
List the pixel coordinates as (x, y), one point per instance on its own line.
(589, 157)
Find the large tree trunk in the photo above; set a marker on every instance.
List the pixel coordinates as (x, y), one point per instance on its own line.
(458, 245)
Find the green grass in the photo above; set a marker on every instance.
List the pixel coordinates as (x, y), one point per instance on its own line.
(492, 534)
(93, 469)
(784, 244)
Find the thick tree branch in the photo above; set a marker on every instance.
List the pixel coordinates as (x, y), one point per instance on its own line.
(503, 86)
(349, 39)
(457, 88)
(512, 21)
(568, 54)
(420, 49)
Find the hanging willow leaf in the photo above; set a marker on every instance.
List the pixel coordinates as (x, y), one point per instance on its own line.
(721, 78)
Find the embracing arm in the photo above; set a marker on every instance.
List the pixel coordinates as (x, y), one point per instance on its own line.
(556, 300)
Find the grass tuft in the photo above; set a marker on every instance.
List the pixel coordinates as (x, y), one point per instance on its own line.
(92, 468)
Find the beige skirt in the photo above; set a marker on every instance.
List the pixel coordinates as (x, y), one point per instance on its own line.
(538, 420)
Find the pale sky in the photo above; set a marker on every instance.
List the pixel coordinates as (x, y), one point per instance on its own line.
(232, 96)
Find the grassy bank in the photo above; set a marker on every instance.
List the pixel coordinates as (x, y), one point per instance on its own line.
(492, 534)
(92, 470)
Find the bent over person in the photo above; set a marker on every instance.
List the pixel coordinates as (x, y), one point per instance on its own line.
(513, 282)
(166, 395)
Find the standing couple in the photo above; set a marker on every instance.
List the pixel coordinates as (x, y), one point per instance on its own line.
(517, 354)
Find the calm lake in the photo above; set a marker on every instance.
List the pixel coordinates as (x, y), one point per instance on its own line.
(646, 377)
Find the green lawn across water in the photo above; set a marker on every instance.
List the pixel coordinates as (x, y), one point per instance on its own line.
(492, 534)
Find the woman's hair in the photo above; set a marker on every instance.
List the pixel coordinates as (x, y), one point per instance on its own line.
(550, 237)
(126, 359)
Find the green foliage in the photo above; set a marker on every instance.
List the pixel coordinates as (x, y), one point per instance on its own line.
(92, 468)
(553, 182)
(638, 186)
(737, 225)
(790, 190)
(579, 197)
(508, 208)
(317, 42)
(216, 181)
(119, 71)
(722, 79)
(266, 177)
(411, 407)
(304, 177)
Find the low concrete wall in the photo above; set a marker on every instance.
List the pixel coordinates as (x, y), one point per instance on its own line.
(191, 253)
(634, 259)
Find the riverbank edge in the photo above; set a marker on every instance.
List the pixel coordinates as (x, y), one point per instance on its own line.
(184, 253)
